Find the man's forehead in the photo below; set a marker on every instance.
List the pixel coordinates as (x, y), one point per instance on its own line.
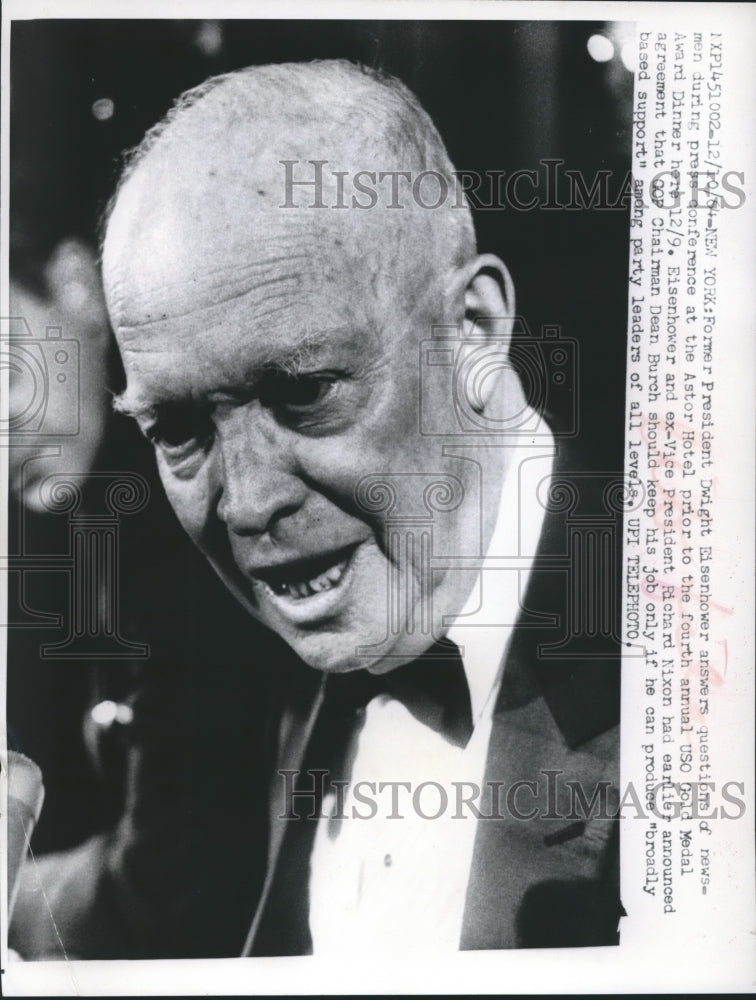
(207, 240)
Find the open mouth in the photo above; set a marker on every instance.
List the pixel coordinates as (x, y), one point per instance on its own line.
(306, 577)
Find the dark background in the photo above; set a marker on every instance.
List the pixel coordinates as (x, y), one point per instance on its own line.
(504, 95)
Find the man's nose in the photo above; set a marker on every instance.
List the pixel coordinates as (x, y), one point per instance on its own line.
(258, 476)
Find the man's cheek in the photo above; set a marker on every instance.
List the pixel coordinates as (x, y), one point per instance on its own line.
(192, 508)
(335, 469)
(343, 469)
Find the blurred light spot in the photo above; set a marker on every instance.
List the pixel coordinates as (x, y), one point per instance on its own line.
(107, 712)
(124, 714)
(627, 54)
(600, 48)
(209, 38)
(103, 109)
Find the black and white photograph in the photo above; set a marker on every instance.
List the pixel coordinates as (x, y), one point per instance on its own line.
(358, 416)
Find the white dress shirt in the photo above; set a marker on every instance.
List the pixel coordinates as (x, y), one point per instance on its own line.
(394, 884)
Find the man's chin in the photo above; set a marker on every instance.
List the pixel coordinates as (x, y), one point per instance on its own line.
(330, 654)
(344, 653)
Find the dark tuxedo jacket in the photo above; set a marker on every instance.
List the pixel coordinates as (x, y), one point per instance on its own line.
(184, 873)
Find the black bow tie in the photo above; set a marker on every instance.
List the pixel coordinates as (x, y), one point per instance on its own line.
(432, 687)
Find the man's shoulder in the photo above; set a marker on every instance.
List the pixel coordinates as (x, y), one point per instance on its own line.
(545, 869)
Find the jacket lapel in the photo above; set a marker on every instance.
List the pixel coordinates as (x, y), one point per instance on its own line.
(549, 880)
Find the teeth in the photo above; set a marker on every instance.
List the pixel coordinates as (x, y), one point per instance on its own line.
(306, 588)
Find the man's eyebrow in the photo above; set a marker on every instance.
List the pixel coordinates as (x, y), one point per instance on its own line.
(131, 407)
(294, 359)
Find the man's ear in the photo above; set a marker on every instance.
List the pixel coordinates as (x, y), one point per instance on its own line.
(489, 310)
(489, 301)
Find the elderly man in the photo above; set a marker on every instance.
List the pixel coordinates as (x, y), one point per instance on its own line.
(323, 375)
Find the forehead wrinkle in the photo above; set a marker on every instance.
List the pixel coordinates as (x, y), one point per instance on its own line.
(307, 345)
(146, 390)
(165, 288)
(265, 305)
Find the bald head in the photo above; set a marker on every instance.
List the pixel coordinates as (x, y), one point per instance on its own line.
(209, 182)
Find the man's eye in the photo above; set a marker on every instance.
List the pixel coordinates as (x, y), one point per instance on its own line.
(179, 433)
(295, 392)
